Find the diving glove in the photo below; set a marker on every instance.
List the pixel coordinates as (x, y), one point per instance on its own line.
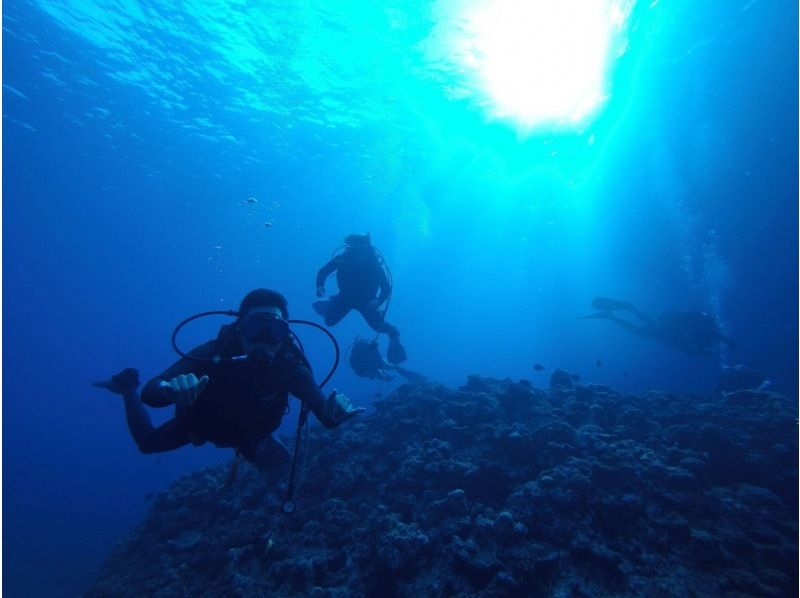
(338, 408)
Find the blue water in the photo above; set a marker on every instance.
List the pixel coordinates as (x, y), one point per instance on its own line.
(132, 135)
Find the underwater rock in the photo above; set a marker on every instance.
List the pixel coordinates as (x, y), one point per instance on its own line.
(560, 378)
(495, 489)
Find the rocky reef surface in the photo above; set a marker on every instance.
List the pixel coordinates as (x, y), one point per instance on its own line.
(495, 489)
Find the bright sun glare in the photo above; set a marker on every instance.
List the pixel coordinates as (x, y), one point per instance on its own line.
(543, 62)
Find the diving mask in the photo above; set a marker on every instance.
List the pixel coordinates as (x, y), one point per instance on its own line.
(265, 328)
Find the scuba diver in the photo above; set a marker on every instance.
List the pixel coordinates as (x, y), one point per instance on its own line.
(360, 272)
(367, 362)
(691, 332)
(232, 391)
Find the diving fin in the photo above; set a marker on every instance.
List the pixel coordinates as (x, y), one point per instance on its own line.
(395, 353)
(124, 382)
(321, 307)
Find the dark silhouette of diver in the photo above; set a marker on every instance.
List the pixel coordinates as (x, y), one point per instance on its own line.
(367, 362)
(232, 391)
(691, 332)
(360, 273)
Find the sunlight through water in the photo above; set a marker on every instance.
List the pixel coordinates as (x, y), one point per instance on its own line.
(536, 62)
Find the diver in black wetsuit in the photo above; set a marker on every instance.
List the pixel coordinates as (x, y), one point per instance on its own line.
(687, 331)
(221, 396)
(367, 362)
(359, 274)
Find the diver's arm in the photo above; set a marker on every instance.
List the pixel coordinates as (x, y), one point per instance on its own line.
(332, 411)
(155, 393)
(300, 382)
(326, 271)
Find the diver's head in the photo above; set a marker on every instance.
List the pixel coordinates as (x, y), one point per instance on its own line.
(262, 327)
(264, 298)
(355, 240)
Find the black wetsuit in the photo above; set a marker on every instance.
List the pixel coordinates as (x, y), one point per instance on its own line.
(366, 360)
(240, 406)
(359, 275)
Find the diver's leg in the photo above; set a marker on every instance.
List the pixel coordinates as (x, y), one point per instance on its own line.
(374, 317)
(636, 329)
(409, 375)
(646, 320)
(607, 305)
(338, 307)
(166, 437)
(395, 353)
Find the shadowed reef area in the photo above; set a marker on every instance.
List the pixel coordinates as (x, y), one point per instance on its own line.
(495, 489)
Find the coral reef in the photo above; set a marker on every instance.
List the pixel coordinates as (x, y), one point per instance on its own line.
(495, 489)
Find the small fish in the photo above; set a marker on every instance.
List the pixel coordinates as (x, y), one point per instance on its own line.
(598, 363)
(575, 377)
(268, 224)
(248, 200)
(538, 367)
